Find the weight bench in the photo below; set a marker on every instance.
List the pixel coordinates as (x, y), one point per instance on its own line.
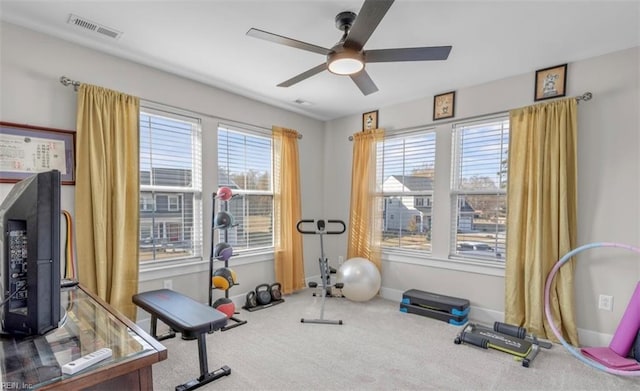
(189, 317)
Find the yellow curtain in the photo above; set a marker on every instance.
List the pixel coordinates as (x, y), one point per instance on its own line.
(107, 187)
(541, 215)
(364, 221)
(287, 211)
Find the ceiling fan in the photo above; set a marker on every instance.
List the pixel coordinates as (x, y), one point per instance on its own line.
(348, 56)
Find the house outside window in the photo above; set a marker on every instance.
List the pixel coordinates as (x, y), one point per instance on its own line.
(478, 189)
(170, 186)
(406, 166)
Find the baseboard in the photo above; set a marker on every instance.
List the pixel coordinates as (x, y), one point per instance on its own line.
(593, 338)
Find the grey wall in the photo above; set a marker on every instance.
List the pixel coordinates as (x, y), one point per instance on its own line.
(609, 163)
(30, 67)
(608, 192)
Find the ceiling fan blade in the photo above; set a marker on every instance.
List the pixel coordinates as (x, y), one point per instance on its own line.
(294, 43)
(368, 18)
(364, 82)
(432, 53)
(304, 75)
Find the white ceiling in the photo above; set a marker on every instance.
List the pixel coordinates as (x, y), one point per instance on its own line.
(206, 41)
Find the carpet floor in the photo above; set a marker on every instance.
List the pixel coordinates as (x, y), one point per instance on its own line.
(377, 348)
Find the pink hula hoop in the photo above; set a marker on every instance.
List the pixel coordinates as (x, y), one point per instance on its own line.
(547, 309)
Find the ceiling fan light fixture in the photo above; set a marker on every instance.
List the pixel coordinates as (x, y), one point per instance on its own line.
(345, 62)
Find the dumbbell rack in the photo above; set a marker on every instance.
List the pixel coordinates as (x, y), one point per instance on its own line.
(212, 259)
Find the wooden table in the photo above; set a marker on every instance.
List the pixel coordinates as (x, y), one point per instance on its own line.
(88, 324)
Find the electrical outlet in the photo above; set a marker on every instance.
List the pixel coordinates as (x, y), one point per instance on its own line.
(605, 302)
(168, 284)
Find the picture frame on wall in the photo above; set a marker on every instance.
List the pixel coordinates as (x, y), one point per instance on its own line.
(444, 105)
(551, 82)
(28, 150)
(370, 120)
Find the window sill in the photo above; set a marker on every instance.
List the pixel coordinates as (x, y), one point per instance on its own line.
(458, 264)
(162, 269)
(150, 271)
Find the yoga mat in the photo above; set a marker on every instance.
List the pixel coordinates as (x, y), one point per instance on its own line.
(611, 359)
(628, 327)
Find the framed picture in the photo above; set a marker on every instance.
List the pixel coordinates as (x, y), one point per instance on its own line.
(444, 105)
(551, 82)
(26, 150)
(370, 120)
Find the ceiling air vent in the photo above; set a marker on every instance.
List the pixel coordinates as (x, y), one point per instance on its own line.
(97, 28)
(302, 102)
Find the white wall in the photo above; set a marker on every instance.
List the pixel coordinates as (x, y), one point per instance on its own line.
(609, 161)
(30, 93)
(608, 177)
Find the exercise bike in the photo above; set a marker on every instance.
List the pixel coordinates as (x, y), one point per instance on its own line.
(325, 270)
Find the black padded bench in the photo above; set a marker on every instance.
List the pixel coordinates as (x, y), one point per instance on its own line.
(189, 317)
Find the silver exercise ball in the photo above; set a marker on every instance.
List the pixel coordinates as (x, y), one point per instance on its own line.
(361, 279)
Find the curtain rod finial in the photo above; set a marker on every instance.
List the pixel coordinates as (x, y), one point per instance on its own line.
(584, 97)
(65, 81)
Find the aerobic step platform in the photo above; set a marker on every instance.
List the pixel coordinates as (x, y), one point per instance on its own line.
(446, 308)
(443, 316)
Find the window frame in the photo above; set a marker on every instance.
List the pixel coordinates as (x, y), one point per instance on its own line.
(195, 228)
(396, 197)
(457, 192)
(174, 202)
(247, 131)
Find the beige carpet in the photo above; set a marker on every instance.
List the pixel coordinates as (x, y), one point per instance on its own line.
(377, 348)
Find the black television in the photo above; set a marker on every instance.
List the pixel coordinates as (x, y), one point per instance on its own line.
(30, 255)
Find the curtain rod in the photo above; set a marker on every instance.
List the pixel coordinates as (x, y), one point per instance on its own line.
(584, 97)
(65, 81)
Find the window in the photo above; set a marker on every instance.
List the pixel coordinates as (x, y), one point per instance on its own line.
(422, 201)
(146, 202)
(174, 203)
(170, 186)
(245, 166)
(478, 189)
(406, 166)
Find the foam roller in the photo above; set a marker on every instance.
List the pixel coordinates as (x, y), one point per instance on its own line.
(474, 339)
(514, 331)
